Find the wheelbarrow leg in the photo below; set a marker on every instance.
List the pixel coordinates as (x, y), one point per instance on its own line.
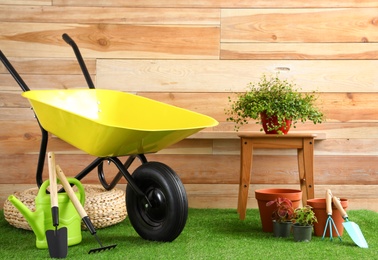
(122, 170)
(126, 165)
(130, 180)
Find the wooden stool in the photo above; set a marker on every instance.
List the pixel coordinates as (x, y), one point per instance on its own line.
(303, 142)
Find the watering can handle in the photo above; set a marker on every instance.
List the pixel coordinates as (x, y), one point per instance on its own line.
(338, 205)
(329, 202)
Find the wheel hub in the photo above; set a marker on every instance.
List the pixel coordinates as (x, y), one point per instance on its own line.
(158, 208)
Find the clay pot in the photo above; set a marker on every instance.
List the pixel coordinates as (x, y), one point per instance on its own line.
(272, 121)
(265, 195)
(319, 207)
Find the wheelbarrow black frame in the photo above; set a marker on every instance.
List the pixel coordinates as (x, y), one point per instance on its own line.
(159, 211)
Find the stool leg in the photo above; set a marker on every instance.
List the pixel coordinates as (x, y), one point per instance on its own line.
(245, 175)
(308, 157)
(306, 169)
(302, 175)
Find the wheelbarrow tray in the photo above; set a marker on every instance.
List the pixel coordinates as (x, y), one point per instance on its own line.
(108, 123)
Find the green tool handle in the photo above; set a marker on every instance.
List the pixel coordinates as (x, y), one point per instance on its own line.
(53, 189)
(338, 205)
(329, 202)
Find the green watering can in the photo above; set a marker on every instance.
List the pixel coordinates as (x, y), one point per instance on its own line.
(41, 220)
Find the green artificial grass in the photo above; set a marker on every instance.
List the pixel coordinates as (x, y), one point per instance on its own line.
(208, 234)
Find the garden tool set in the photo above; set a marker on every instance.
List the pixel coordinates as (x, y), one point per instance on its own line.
(352, 228)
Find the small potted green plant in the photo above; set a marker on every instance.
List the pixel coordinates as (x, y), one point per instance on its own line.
(303, 223)
(275, 104)
(282, 216)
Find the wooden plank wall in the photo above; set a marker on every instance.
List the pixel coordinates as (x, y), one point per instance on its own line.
(194, 55)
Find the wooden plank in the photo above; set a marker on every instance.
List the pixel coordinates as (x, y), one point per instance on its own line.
(225, 195)
(219, 3)
(308, 51)
(24, 137)
(44, 82)
(90, 14)
(211, 169)
(16, 114)
(190, 146)
(12, 99)
(26, 2)
(333, 147)
(331, 130)
(22, 168)
(337, 107)
(299, 25)
(234, 75)
(47, 66)
(280, 170)
(111, 40)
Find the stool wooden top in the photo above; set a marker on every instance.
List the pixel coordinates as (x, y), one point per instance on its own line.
(289, 135)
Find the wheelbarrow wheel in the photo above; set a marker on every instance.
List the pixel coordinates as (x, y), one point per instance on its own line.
(166, 218)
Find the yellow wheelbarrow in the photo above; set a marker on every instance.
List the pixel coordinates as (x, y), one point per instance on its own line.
(109, 124)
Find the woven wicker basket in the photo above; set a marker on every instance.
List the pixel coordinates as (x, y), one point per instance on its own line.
(104, 208)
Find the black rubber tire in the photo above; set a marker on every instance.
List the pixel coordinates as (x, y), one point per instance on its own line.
(166, 219)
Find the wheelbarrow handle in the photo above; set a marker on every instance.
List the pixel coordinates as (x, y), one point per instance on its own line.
(13, 72)
(80, 59)
(68, 39)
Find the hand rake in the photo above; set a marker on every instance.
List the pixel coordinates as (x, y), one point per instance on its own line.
(67, 187)
(330, 221)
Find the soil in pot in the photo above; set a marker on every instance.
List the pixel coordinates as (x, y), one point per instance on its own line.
(265, 195)
(319, 207)
(281, 229)
(272, 121)
(302, 233)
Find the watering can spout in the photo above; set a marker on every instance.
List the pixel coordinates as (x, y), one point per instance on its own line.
(35, 219)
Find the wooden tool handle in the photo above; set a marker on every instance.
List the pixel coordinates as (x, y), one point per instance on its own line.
(53, 190)
(52, 178)
(329, 201)
(67, 187)
(338, 205)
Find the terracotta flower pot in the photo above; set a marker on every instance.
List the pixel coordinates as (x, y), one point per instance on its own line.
(272, 121)
(265, 195)
(319, 207)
